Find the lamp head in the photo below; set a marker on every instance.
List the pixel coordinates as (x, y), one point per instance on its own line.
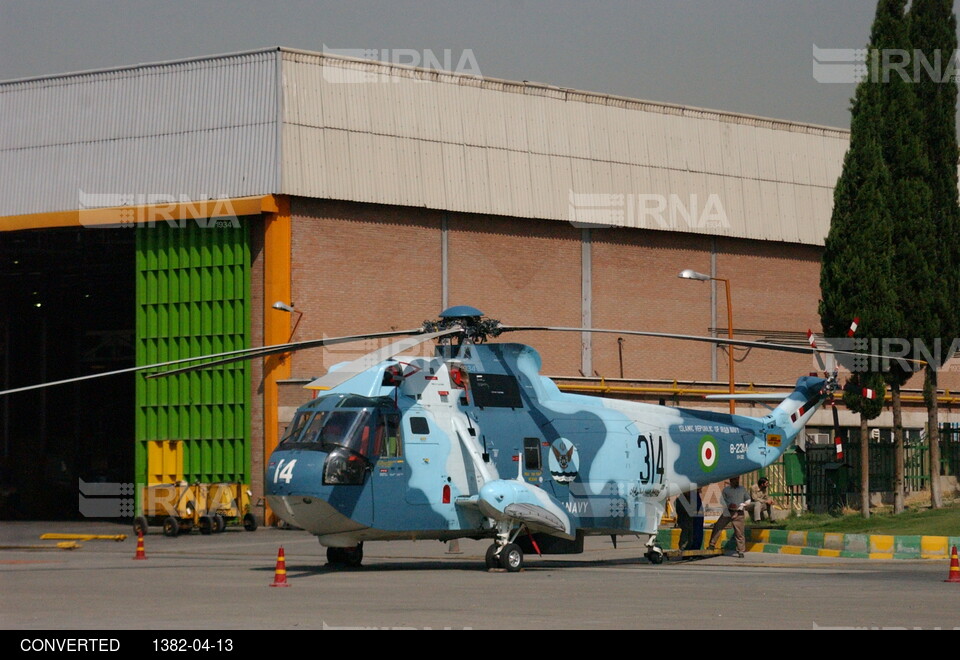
(282, 306)
(693, 275)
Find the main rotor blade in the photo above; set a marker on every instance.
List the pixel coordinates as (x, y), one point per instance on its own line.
(276, 349)
(237, 355)
(745, 343)
(746, 396)
(361, 364)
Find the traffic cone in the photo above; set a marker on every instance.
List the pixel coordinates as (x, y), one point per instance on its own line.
(954, 575)
(140, 552)
(280, 575)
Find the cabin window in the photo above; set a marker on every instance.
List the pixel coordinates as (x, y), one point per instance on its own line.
(531, 454)
(495, 391)
(419, 426)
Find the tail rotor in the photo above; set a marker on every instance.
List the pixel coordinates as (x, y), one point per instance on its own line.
(829, 374)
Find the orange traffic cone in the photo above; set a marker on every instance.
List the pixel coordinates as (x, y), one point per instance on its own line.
(140, 552)
(954, 575)
(280, 575)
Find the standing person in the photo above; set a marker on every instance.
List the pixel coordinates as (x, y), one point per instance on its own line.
(761, 504)
(734, 498)
(690, 520)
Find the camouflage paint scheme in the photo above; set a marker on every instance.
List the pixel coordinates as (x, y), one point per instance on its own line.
(592, 465)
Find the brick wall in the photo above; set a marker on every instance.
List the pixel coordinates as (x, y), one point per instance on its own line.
(521, 272)
(362, 268)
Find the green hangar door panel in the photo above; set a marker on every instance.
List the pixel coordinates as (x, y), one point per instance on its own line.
(193, 298)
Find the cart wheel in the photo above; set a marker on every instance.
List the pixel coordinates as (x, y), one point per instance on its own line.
(250, 522)
(170, 526)
(206, 524)
(219, 524)
(140, 525)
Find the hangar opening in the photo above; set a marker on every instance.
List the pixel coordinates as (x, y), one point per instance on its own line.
(68, 297)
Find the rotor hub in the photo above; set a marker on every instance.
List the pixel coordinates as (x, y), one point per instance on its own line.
(470, 320)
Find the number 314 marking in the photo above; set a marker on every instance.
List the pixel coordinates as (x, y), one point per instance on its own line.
(652, 460)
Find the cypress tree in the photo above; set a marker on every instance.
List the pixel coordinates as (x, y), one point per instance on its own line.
(856, 276)
(933, 32)
(914, 268)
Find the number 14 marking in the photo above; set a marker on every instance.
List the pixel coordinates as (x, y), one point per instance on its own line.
(286, 473)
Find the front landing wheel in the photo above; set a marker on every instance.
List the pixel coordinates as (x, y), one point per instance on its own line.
(351, 557)
(492, 561)
(511, 558)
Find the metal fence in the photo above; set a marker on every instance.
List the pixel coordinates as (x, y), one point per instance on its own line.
(814, 480)
(950, 449)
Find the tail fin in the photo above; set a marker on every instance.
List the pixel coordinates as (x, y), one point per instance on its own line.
(796, 410)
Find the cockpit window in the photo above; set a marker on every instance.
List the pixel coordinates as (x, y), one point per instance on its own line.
(312, 428)
(351, 429)
(368, 427)
(295, 427)
(388, 430)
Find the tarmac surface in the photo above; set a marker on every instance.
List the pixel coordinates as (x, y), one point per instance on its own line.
(220, 583)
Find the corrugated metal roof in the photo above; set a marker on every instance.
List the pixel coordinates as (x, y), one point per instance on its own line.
(462, 143)
(326, 126)
(195, 129)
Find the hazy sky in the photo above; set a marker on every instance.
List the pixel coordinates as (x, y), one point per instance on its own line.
(752, 56)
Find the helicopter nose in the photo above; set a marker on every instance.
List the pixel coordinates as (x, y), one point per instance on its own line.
(295, 491)
(295, 472)
(314, 515)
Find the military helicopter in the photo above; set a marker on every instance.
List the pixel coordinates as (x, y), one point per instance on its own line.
(475, 443)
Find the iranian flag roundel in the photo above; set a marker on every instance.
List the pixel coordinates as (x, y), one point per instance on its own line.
(708, 453)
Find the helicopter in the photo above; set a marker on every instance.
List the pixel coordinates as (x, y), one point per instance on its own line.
(475, 443)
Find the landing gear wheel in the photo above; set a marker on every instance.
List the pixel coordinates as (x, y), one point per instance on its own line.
(654, 555)
(140, 525)
(492, 561)
(219, 524)
(351, 557)
(511, 558)
(334, 555)
(205, 524)
(250, 522)
(170, 526)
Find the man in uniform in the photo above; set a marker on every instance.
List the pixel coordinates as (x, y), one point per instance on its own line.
(761, 504)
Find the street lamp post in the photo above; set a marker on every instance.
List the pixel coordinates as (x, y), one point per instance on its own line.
(702, 277)
(284, 307)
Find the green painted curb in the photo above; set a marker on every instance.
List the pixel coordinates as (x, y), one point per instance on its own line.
(906, 545)
(852, 546)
